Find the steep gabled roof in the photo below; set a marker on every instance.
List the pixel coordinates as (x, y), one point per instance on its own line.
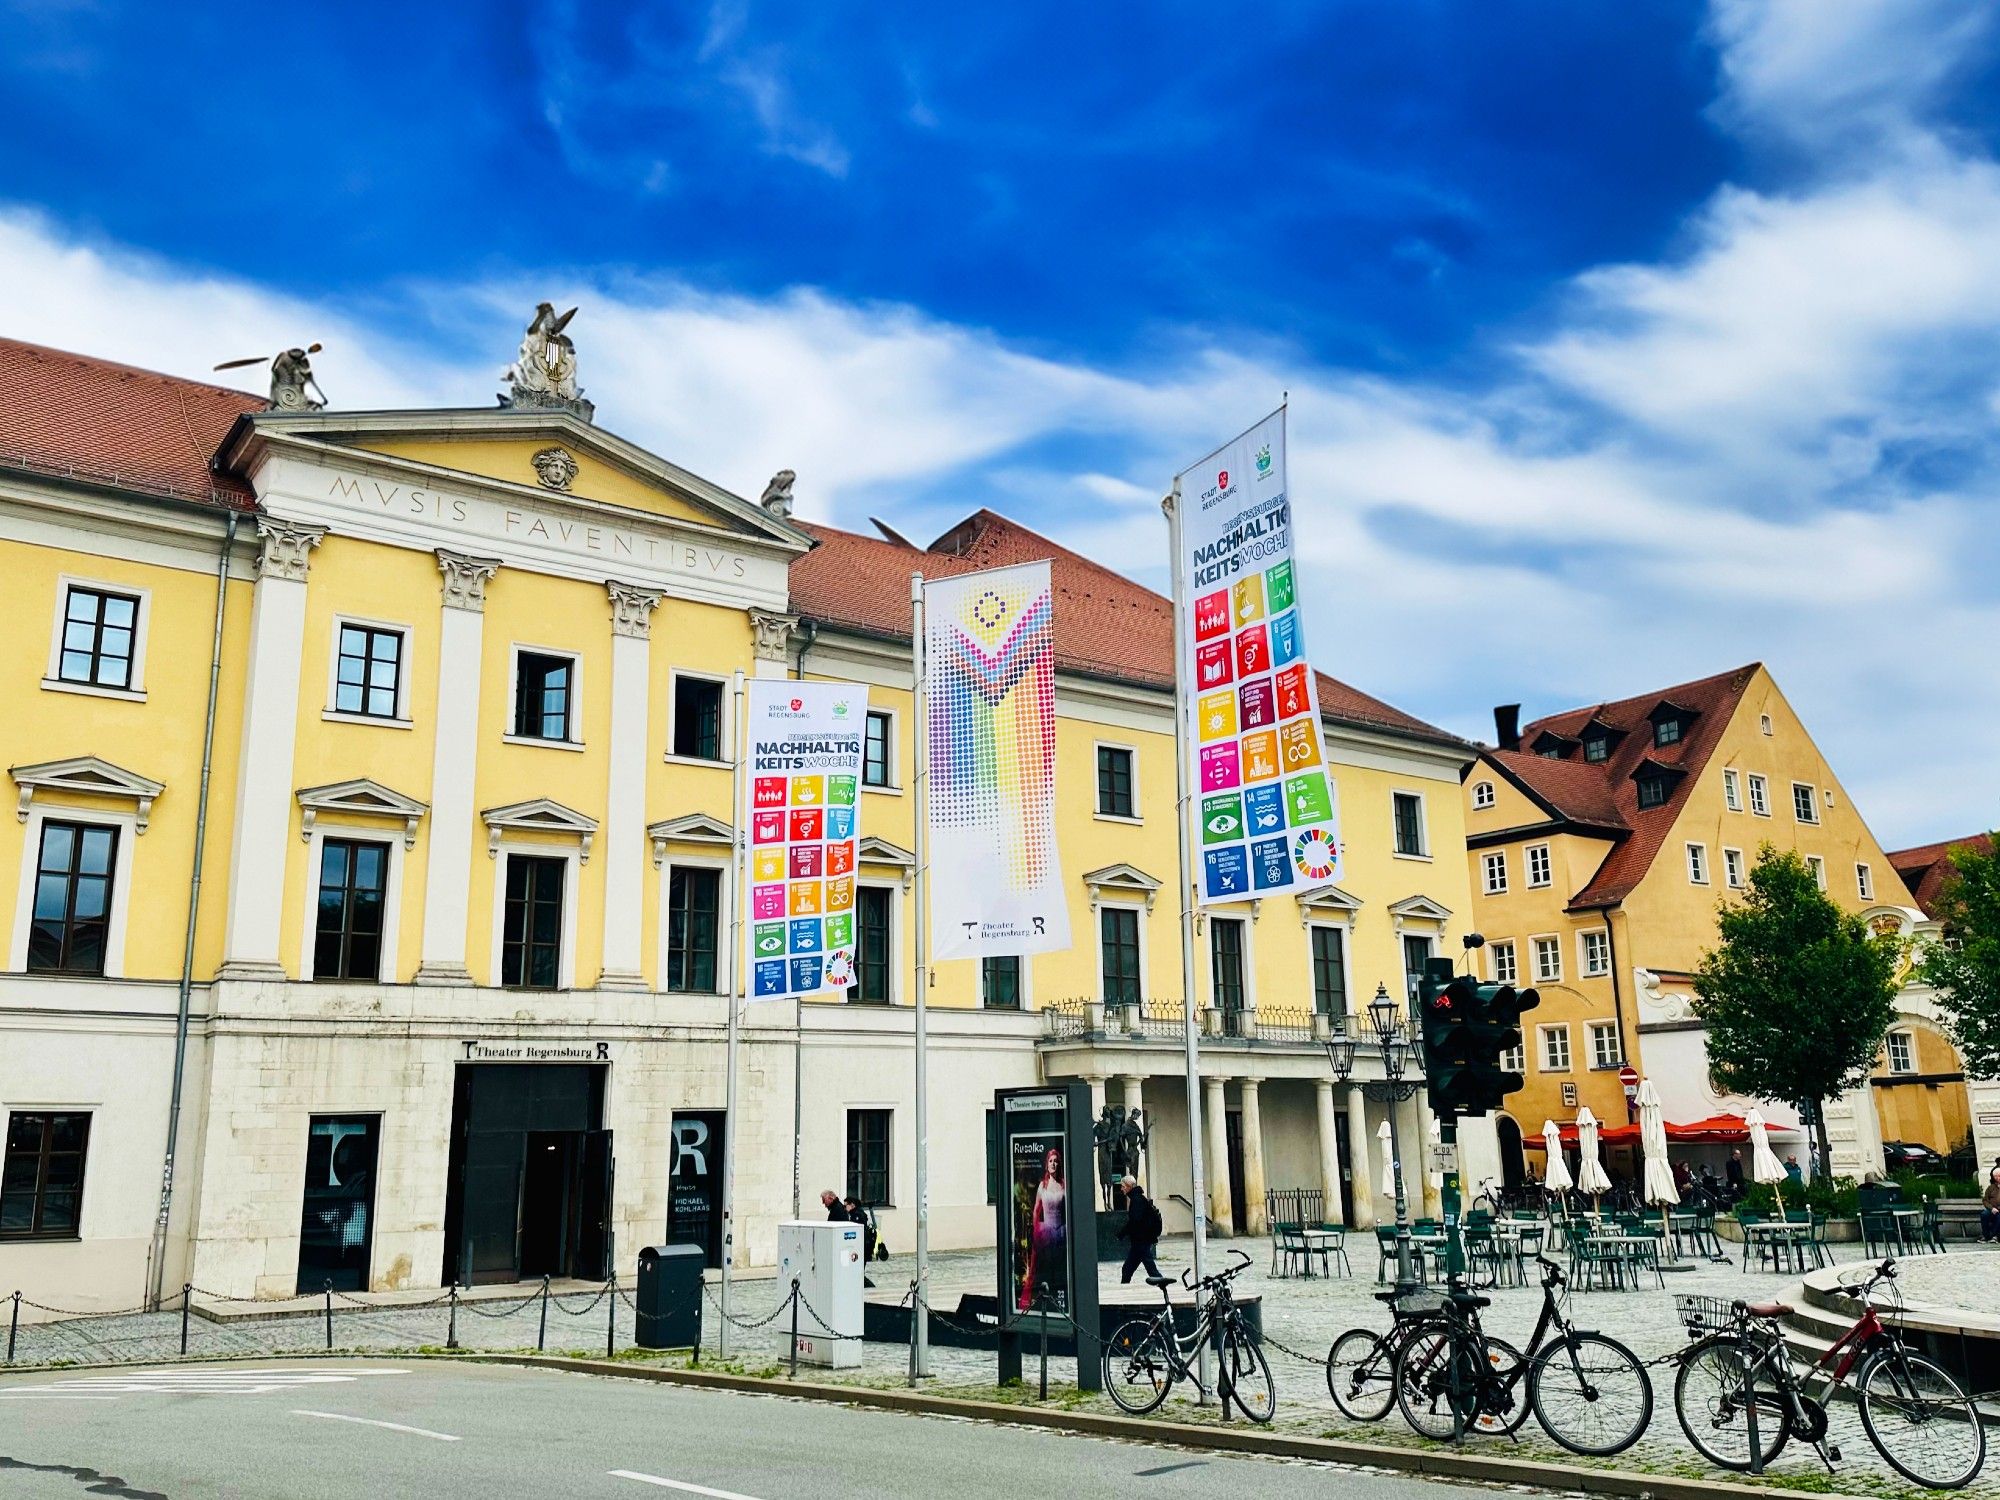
(1570, 790)
(72, 416)
(1926, 868)
(1106, 625)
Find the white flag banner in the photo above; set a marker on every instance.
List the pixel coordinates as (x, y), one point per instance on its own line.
(994, 876)
(1267, 820)
(803, 785)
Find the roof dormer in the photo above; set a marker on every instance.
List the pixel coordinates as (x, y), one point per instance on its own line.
(1656, 782)
(1671, 722)
(1600, 738)
(1552, 746)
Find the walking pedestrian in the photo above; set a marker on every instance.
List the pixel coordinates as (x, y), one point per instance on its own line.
(1733, 1170)
(1989, 1208)
(1141, 1232)
(836, 1211)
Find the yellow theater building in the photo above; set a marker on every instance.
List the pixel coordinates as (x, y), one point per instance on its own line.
(372, 781)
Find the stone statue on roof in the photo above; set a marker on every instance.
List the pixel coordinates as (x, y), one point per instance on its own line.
(543, 375)
(777, 496)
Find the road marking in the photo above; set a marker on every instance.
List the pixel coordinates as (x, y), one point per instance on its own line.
(199, 1382)
(335, 1416)
(675, 1484)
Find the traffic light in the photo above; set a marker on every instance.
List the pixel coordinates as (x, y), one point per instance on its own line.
(1466, 1028)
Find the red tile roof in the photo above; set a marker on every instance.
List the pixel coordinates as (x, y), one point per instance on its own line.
(1106, 625)
(1604, 794)
(1926, 868)
(77, 417)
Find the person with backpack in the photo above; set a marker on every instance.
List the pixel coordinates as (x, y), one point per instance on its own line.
(1142, 1231)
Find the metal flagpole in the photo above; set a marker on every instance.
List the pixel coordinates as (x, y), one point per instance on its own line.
(919, 747)
(1184, 786)
(738, 894)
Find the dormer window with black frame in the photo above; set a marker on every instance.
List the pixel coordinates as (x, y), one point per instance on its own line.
(1597, 748)
(1671, 723)
(1655, 782)
(1552, 746)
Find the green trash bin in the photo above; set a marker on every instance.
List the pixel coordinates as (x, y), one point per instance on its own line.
(668, 1314)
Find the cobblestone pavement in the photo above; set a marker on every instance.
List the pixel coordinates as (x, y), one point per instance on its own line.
(1301, 1318)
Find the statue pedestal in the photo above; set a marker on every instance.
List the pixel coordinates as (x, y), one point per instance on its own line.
(1110, 1223)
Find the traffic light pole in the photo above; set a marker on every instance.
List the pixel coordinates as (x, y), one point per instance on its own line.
(1454, 1238)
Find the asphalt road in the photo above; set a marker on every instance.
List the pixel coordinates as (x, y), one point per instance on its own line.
(304, 1430)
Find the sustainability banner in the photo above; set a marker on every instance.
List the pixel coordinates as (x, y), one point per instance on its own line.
(1267, 819)
(990, 700)
(802, 784)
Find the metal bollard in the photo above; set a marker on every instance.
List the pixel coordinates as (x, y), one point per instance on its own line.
(795, 1327)
(13, 1326)
(542, 1333)
(451, 1326)
(916, 1312)
(1042, 1306)
(329, 1315)
(187, 1297)
(611, 1318)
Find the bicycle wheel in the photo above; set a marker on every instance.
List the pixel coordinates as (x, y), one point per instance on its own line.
(1438, 1401)
(1709, 1399)
(1360, 1375)
(1591, 1394)
(1245, 1376)
(1921, 1420)
(1138, 1367)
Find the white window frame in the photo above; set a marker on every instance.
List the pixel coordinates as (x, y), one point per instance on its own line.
(896, 890)
(1864, 880)
(1482, 795)
(1145, 970)
(1697, 863)
(725, 916)
(1909, 1040)
(1818, 867)
(127, 825)
(1138, 808)
(1811, 802)
(725, 739)
(507, 735)
(333, 715)
(1584, 967)
(1027, 1004)
(573, 856)
(1543, 1036)
(332, 825)
(1493, 951)
(1598, 1031)
(894, 788)
(1548, 862)
(1764, 723)
(1515, 1059)
(1493, 872)
(1207, 978)
(1732, 789)
(1535, 952)
(1760, 795)
(1423, 824)
(1732, 868)
(134, 690)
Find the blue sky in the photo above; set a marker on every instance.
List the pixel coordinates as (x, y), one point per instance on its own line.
(1625, 342)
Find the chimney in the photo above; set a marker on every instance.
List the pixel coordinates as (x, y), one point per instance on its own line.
(1507, 726)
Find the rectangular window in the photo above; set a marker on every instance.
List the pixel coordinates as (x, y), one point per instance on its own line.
(1805, 803)
(1225, 970)
(1732, 791)
(368, 674)
(1506, 963)
(1114, 782)
(544, 686)
(1548, 960)
(1555, 1049)
(1764, 723)
(1667, 732)
(1652, 791)
(1864, 881)
(868, 1157)
(1494, 868)
(697, 718)
(1760, 796)
(71, 925)
(1514, 1059)
(1732, 868)
(1000, 983)
(353, 892)
(1329, 961)
(1409, 810)
(1118, 954)
(1604, 1051)
(1597, 749)
(1818, 868)
(1595, 951)
(875, 751)
(98, 632)
(874, 946)
(41, 1180)
(338, 1205)
(1540, 867)
(531, 927)
(694, 926)
(1697, 864)
(1482, 794)
(1416, 953)
(1902, 1053)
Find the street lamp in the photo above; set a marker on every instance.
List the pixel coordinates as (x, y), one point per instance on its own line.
(1392, 1043)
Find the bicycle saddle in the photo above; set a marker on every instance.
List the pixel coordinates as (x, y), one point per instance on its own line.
(1768, 1309)
(1160, 1281)
(1389, 1296)
(1470, 1300)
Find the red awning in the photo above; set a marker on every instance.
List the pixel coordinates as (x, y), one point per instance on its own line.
(1719, 1130)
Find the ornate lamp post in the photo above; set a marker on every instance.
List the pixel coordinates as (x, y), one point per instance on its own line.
(1391, 1039)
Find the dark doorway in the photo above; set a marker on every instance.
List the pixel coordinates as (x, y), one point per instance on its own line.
(694, 1186)
(339, 1212)
(529, 1189)
(1513, 1166)
(1238, 1218)
(1344, 1146)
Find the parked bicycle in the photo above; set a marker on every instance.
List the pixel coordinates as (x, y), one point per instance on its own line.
(1589, 1392)
(1361, 1363)
(1145, 1358)
(1740, 1399)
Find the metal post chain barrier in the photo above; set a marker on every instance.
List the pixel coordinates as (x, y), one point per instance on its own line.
(186, 1300)
(451, 1327)
(542, 1333)
(611, 1318)
(13, 1327)
(916, 1312)
(795, 1328)
(329, 1315)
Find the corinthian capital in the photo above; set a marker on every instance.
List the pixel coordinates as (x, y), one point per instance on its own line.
(287, 550)
(631, 608)
(465, 579)
(773, 632)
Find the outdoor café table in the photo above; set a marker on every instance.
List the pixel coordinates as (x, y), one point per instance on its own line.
(1317, 1242)
(1909, 1224)
(1618, 1252)
(1788, 1236)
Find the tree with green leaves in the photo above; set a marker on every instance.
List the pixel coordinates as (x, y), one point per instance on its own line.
(1964, 970)
(1799, 993)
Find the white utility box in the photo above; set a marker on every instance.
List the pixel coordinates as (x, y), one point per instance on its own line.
(826, 1260)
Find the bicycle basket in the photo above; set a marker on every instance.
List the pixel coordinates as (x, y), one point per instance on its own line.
(1422, 1302)
(1705, 1314)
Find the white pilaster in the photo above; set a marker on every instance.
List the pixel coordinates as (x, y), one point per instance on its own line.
(625, 806)
(1217, 1164)
(448, 874)
(1329, 1150)
(270, 732)
(1362, 1158)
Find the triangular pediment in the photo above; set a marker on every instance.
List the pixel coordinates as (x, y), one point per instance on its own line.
(1121, 880)
(1422, 908)
(875, 851)
(90, 776)
(542, 815)
(360, 797)
(1329, 899)
(692, 828)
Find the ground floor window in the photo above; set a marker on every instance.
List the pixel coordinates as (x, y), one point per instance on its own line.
(41, 1182)
(868, 1156)
(339, 1212)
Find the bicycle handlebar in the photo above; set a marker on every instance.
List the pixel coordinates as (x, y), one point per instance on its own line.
(1215, 1278)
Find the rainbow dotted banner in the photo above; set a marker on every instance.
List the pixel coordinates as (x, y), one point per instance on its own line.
(1266, 811)
(802, 784)
(990, 733)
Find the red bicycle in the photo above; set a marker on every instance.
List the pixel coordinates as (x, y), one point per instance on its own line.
(1740, 1399)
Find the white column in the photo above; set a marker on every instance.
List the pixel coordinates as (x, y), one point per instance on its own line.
(1214, 1116)
(1256, 1220)
(774, 633)
(1411, 1118)
(270, 731)
(625, 806)
(1096, 1082)
(448, 872)
(1329, 1150)
(1362, 1157)
(1134, 1089)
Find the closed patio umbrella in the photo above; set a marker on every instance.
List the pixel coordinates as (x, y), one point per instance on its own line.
(1437, 1139)
(1764, 1163)
(1388, 1140)
(1659, 1176)
(1555, 1176)
(1590, 1173)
